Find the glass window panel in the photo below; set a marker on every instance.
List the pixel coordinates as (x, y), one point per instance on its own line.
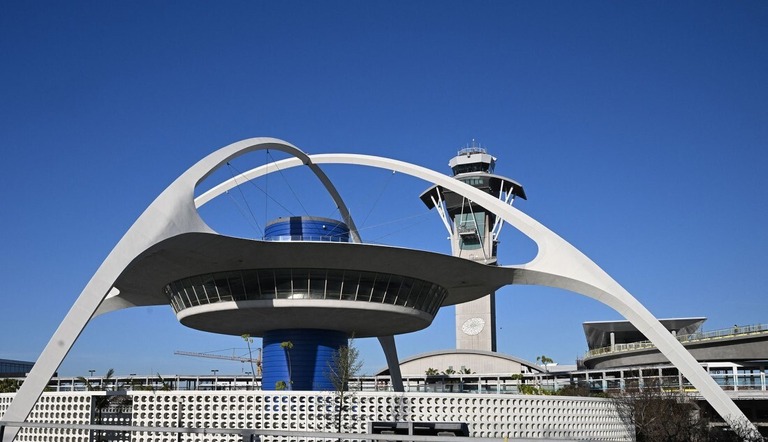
(176, 305)
(317, 284)
(300, 278)
(196, 290)
(222, 286)
(236, 286)
(250, 280)
(405, 291)
(365, 287)
(333, 284)
(209, 287)
(413, 296)
(267, 284)
(283, 283)
(438, 301)
(431, 305)
(170, 293)
(418, 303)
(393, 289)
(433, 293)
(181, 292)
(173, 296)
(351, 281)
(380, 288)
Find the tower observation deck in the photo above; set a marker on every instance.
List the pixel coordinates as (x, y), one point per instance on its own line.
(474, 234)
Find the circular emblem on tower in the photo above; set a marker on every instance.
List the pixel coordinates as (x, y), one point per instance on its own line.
(473, 326)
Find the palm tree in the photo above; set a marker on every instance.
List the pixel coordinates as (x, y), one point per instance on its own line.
(544, 361)
(287, 346)
(101, 402)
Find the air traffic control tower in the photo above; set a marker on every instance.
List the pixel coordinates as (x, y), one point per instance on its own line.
(474, 234)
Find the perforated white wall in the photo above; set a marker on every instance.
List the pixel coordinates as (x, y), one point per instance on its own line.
(60, 408)
(513, 416)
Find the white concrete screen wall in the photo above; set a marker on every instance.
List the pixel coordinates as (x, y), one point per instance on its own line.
(497, 416)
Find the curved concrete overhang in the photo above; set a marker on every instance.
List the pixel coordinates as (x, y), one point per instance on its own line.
(532, 367)
(434, 193)
(144, 279)
(359, 319)
(598, 332)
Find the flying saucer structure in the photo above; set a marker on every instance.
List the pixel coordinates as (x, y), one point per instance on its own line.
(302, 285)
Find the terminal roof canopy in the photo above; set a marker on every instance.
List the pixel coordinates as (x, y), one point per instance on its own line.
(598, 333)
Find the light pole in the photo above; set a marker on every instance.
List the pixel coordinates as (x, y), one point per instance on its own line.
(91, 372)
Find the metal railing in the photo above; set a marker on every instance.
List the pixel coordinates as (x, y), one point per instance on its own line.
(309, 238)
(736, 330)
(472, 149)
(254, 435)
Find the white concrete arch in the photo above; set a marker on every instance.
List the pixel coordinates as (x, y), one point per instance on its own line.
(557, 264)
(172, 213)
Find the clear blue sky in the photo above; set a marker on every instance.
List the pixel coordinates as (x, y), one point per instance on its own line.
(639, 130)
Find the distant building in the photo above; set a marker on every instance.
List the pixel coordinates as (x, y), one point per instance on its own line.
(14, 369)
(615, 344)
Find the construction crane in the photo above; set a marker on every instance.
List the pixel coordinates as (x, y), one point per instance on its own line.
(256, 361)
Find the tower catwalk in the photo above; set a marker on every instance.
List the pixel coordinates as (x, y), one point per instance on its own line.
(474, 235)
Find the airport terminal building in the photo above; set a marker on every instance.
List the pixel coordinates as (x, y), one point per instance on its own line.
(309, 285)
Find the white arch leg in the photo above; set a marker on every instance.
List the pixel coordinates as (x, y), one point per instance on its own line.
(172, 213)
(390, 352)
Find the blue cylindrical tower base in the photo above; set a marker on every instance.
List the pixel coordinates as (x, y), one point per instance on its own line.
(305, 365)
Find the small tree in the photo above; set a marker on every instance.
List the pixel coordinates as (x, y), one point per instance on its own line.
(344, 365)
(661, 414)
(518, 378)
(249, 340)
(431, 372)
(164, 384)
(287, 346)
(739, 430)
(9, 385)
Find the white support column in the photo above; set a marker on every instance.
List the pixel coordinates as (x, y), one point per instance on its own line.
(390, 353)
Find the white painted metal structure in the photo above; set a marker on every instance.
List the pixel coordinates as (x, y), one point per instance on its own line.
(174, 213)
